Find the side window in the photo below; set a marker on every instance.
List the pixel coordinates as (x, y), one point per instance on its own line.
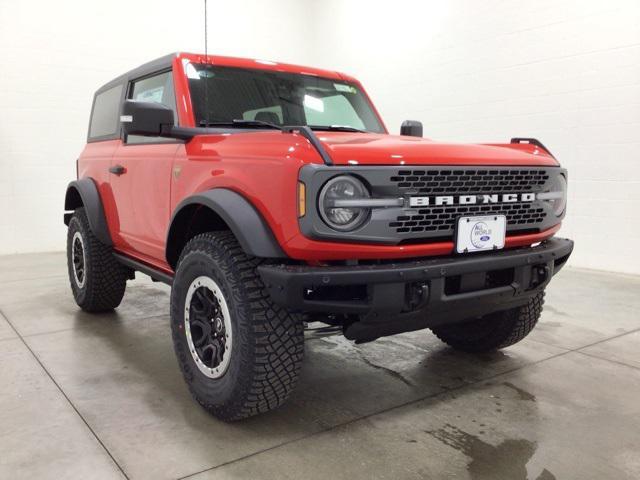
(155, 89)
(104, 122)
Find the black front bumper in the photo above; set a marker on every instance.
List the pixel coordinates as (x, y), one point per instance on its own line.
(395, 297)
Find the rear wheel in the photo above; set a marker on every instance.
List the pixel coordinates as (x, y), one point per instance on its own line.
(239, 353)
(494, 331)
(97, 280)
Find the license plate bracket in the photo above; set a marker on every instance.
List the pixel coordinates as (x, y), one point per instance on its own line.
(480, 233)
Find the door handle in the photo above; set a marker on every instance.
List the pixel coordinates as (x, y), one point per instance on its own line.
(117, 170)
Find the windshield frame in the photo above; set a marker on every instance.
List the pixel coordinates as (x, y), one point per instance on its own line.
(364, 99)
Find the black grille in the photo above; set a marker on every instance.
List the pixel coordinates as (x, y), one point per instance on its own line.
(436, 221)
(498, 190)
(468, 181)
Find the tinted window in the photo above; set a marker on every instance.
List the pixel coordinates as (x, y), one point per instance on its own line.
(277, 97)
(155, 89)
(104, 119)
(265, 114)
(331, 110)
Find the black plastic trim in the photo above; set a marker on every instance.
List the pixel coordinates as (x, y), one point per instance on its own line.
(383, 312)
(154, 273)
(307, 133)
(90, 199)
(246, 223)
(532, 141)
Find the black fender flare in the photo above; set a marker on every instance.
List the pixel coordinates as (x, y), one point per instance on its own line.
(84, 193)
(242, 218)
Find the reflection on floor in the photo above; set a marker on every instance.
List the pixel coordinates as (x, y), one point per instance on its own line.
(100, 396)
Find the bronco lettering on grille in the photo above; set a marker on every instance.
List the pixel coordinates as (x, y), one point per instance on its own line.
(471, 199)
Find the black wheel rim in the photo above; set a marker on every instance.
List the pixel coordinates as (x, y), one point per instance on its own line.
(208, 327)
(78, 259)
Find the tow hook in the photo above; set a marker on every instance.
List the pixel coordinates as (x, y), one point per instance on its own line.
(539, 275)
(417, 296)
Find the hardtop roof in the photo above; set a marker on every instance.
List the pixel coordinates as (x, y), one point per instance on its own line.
(166, 61)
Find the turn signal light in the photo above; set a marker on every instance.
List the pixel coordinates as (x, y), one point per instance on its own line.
(302, 199)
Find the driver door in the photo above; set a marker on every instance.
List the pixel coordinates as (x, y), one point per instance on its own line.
(142, 190)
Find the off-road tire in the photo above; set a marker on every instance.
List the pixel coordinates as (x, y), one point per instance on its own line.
(105, 279)
(494, 331)
(267, 342)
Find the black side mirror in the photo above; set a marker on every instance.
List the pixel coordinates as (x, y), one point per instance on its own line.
(411, 128)
(146, 118)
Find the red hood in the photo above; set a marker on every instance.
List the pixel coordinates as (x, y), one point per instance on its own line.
(381, 149)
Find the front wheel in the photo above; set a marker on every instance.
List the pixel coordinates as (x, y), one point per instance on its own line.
(494, 331)
(239, 353)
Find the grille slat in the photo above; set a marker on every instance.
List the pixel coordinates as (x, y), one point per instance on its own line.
(437, 218)
(452, 182)
(441, 220)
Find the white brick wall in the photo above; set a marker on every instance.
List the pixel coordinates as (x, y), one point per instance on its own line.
(55, 54)
(565, 71)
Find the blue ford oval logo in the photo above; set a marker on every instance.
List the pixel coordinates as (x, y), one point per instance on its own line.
(484, 238)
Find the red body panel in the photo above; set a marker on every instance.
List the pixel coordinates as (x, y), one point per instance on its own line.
(142, 197)
(263, 167)
(379, 149)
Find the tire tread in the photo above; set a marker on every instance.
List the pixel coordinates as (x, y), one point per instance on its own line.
(500, 329)
(276, 335)
(106, 278)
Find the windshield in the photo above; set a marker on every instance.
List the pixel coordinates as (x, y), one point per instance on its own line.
(277, 98)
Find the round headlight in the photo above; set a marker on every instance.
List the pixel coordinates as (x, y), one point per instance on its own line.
(333, 203)
(557, 196)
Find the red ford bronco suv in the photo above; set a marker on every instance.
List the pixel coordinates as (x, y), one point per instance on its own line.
(268, 195)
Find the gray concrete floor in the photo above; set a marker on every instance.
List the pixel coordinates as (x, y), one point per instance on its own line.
(100, 396)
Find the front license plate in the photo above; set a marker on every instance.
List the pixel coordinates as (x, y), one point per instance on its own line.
(478, 234)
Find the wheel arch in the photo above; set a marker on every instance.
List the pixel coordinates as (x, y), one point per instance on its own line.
(215, 210)
(84, 193)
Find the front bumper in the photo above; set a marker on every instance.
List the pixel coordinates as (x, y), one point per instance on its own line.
(408, 295)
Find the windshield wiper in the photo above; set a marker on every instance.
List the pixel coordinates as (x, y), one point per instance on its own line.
(240, 123)
(304, 130)
(336, 128)
(260, 124)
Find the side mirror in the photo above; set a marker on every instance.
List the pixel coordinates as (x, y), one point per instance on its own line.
(146, 118)
(411, 128)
